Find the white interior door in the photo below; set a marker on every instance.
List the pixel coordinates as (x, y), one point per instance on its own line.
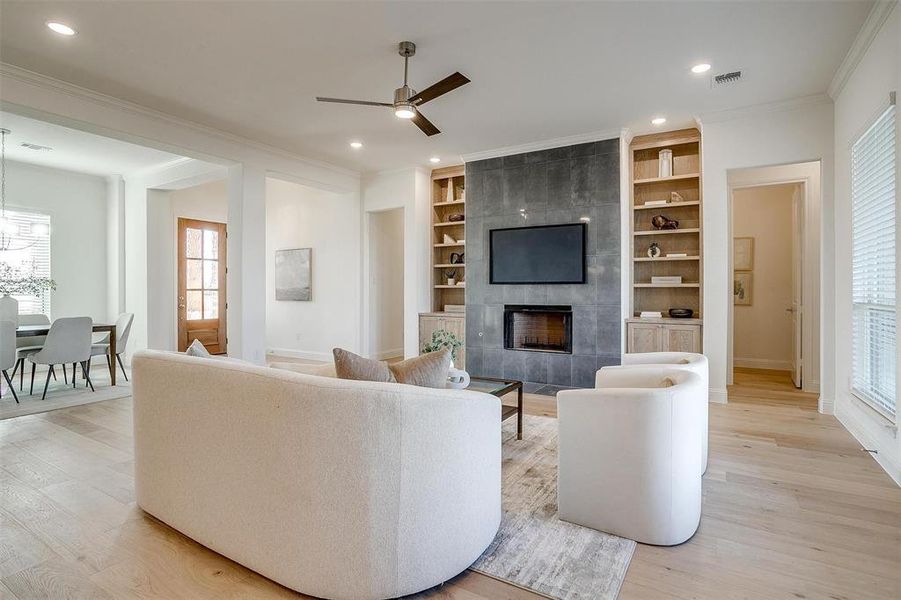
(796, 308)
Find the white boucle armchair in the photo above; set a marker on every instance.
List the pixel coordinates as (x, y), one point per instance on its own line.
(338, 489)
(690, 361)
(630, 454)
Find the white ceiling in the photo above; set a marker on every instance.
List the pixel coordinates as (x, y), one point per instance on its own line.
(539, 70)
(75, 150)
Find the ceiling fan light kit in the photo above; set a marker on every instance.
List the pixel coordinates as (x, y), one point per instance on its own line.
(406, 100)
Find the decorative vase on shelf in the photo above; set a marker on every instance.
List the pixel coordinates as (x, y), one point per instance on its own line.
(654, 250)
(9, 309)
(451, 281)
(450, 190)
(457, 379)
(666, 163)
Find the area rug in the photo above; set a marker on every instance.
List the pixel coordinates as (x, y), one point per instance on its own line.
(533, 548)
(60, 395)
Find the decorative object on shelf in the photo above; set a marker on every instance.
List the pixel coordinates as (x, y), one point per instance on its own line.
(449, 240)
(450, 190)
(455, 308)
(455, 218)
(294, 274)
(456, 258)
(681, 313)
(442, 338)
(451, 275)
(661, 222)
(676, 197)
(16, 282)
(666, 279)
(656, 203)
(741, 288)
(665, 157)
(462, 194)
(650, 314)
(654, 250)
(743, 253)
(676, 254)
(461, 283)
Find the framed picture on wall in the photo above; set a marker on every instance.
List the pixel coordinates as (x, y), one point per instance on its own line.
(743, 253)
(294, 274)
(741, 288)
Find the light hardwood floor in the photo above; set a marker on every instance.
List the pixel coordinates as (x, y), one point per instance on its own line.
(793, 508)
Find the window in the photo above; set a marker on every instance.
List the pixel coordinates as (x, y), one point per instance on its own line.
(873, 245)
(30, 230)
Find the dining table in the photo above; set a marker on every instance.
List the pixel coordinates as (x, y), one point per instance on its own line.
(38, 330)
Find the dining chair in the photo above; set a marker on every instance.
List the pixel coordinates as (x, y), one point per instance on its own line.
(28, 345)
(8, 352)
(123, 329)
(68, 341)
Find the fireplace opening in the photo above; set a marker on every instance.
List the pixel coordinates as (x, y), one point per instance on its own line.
(537, 328)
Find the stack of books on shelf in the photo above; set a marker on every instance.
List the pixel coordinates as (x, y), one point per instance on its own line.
(656, 203)
(667, 280)
(650, 314)
(676, 254)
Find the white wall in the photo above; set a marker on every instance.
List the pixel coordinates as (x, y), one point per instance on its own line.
(763, 331)
(386, 283)
(863, 97)
(769, 135)
(298, 216)
(77, 205)
(409, 189)
(205, 202)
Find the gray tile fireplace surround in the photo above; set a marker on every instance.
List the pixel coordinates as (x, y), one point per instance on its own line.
(561, 185)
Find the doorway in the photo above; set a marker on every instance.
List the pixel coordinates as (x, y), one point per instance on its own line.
(386, 284)
(201, 285)
(767, 276)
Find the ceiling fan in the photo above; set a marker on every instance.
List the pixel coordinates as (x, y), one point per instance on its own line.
(406, 101)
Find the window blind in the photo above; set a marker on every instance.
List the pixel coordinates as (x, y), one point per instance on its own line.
(30, 231)
(873, 252)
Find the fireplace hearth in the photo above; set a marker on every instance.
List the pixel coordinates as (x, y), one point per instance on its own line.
(538, 328)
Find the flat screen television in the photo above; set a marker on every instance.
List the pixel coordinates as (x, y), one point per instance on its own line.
(539, 254)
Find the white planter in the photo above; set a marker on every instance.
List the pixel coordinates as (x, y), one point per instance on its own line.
(9, 309)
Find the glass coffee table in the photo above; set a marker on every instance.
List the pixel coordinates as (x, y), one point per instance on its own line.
(500, 388)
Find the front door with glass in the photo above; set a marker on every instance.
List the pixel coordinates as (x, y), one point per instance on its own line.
(201, 285)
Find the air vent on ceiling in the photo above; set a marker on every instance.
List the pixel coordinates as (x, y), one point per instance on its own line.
(31, 146)
(722, 79)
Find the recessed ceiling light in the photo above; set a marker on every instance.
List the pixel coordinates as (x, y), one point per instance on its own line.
(658, 120)
(356, 145)
(434, 159)
(60, 28)
(701, 68)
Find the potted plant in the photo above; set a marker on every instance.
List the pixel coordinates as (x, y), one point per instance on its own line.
(451, 275)
(442, 338)
(15, 282)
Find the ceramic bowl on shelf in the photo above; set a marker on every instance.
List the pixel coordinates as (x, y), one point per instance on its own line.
(681, 313)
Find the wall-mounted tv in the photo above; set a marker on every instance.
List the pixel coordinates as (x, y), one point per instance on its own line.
(539, 254)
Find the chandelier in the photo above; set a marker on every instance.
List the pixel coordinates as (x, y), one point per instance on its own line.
(14, 236)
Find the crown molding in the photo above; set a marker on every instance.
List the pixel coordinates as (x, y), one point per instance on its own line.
(571, 140)
(731, 114)
(49, 83)
(879, 14)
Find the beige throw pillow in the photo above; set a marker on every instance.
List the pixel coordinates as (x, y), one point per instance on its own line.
(427, 370)
(352, 366)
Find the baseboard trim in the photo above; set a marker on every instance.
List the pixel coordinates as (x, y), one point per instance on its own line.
(718, 396)
(762, 363)
(305, 354)
(882, 456)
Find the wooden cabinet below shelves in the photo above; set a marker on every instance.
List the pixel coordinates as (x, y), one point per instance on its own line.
(660, 336)
(454, 323)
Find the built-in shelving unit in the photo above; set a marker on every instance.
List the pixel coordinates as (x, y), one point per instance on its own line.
(448, 198)
(682, 192)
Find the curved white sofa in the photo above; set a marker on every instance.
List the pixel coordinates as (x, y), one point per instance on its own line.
(337, 489)
(690, 361)
(630, 455)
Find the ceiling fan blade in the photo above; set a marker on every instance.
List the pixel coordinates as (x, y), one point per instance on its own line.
(427, 127)
(362, 102)
(444, 86)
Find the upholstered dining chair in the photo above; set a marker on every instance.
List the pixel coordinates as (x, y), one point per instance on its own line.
(68, 341)
(123, 328)
(28, 344)
(8, 352)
